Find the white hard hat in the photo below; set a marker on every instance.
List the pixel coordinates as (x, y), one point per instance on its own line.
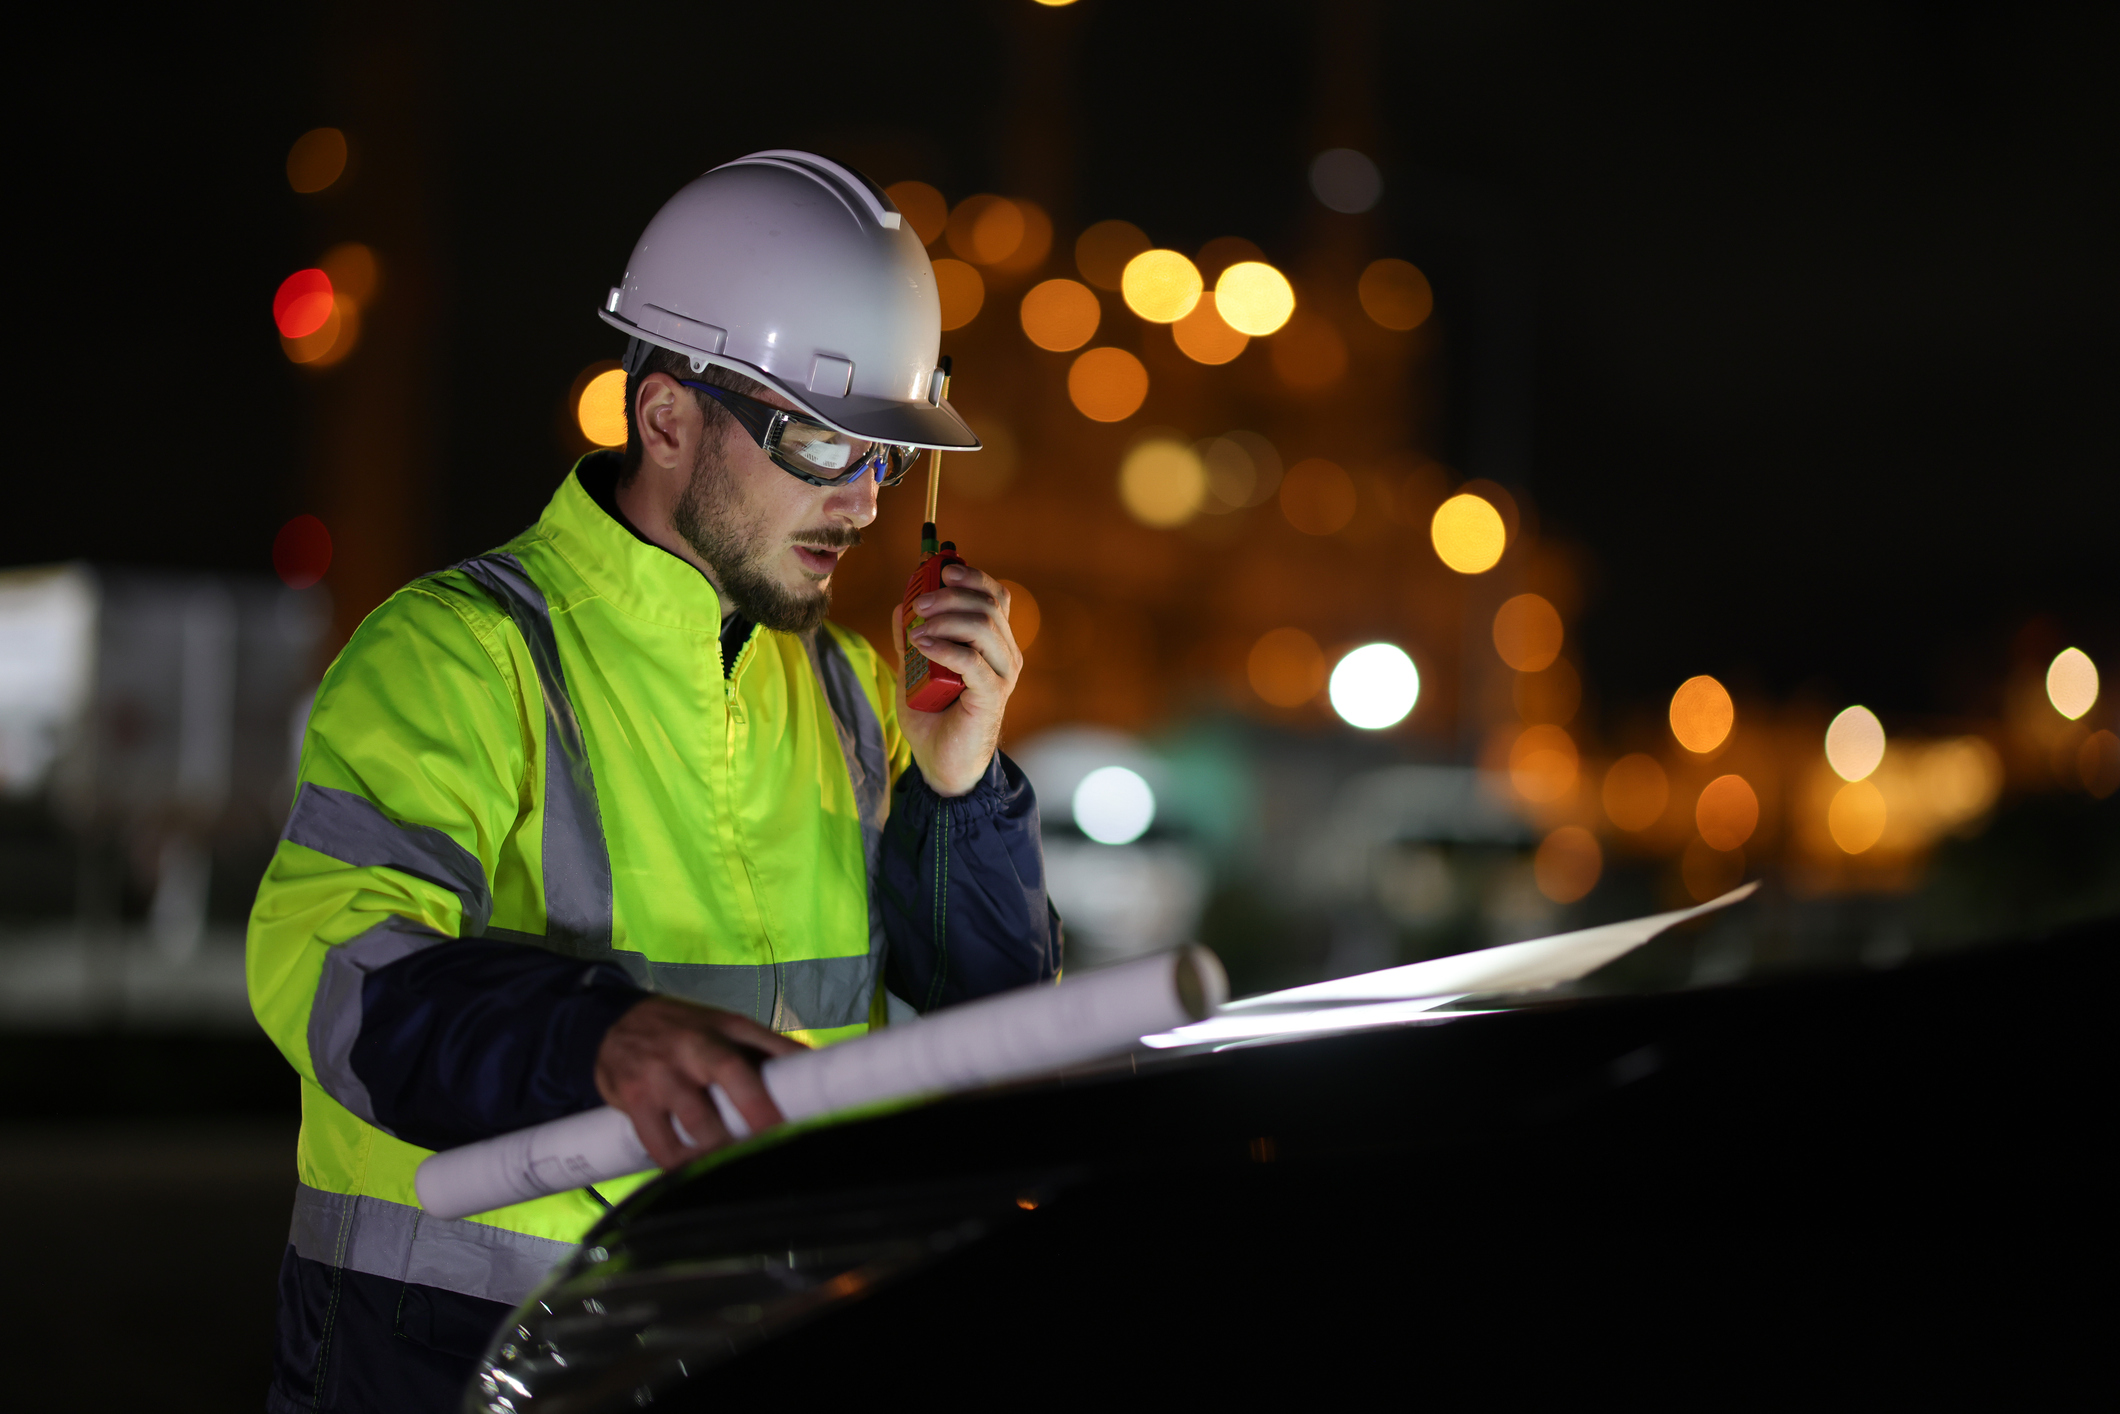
(800, 273)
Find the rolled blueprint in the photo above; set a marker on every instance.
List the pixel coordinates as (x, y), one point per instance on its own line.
(1027, 1032)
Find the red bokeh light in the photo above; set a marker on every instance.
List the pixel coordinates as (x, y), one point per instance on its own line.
(303, 303)
(301, 552)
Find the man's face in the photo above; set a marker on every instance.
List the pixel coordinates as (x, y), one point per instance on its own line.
(773, 541)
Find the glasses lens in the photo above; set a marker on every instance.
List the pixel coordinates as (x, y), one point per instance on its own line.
(897, 462)
(815, 446)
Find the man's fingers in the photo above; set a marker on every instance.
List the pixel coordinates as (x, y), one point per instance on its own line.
(651, 1121)
(693, 1109)
(655, 1136)
(748, 1093)
(950, 653)
(658, 1061)
(985, 695)
(958, 601)
(959, 645)
(746, 1032)
(983, 627)
(978, 581)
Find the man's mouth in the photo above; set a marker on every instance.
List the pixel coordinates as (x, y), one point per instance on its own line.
(817, 559)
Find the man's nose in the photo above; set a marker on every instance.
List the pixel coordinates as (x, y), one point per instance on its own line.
(853, 505)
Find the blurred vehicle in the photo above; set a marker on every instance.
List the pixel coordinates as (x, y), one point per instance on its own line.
(148, 728)
(1869, 1182)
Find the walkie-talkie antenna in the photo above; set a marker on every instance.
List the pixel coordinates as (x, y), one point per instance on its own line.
(934, 496)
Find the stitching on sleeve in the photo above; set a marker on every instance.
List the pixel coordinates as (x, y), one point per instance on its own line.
(941, 905)
(503, 663)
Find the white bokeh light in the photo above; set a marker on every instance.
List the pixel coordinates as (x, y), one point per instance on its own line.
(1114, 805)
(1855, 743)
(1374, 686)
(2072, 683)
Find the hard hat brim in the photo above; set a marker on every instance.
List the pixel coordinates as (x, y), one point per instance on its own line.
(880, 420)
(913, 424)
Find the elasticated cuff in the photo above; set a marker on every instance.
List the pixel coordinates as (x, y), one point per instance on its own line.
(995, 792)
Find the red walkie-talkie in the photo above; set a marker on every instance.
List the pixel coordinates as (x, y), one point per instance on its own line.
(929, 687)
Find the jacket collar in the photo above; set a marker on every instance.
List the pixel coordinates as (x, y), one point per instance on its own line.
(632, 575)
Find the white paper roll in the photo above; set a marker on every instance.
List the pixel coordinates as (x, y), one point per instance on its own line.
(546, 1158)
(1018, 1034)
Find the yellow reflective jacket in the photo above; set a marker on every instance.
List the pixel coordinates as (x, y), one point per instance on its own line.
(542, 744)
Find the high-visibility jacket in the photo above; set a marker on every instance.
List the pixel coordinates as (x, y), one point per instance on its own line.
(542, 746)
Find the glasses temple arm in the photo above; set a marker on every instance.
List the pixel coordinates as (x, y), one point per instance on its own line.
(755, 417)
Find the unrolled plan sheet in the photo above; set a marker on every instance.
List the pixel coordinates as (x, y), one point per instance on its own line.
(1398, 995)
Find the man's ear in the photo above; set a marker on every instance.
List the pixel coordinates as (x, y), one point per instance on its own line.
(659, 410)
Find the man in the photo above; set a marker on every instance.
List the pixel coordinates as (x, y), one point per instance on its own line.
(611, 814)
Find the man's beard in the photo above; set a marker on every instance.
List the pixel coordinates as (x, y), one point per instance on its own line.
(710, 516)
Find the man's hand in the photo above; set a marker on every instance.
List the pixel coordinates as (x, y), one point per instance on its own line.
(657, 1061)
(966, 631)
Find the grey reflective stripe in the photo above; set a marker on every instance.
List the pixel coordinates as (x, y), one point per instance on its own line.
(820, 992)
(351, 829)
(400, 1243)
(860, 733)
(335, 1011)
(815, 993)
(577, 862)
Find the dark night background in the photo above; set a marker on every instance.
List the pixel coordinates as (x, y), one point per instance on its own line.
(1800, 322)
(1811, 311)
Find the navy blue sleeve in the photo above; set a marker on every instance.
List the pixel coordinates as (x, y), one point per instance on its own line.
(474, 1037)
(963, 891)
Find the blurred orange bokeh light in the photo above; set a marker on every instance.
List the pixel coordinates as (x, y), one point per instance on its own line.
(1543, 764)
(1567, 864)
(1204, 337)
(316, 160)
(1702, 714)
(1527, 633)
(1060, 315)
(600, 411)
(1107, 384)
(923, 207)
(1727, 812)
(1161, 286)
(960, 291)
(1286, 667)
(986, 229)
(1024, 619)
(1395, 294)
(1468, 534)
(1636, 792)
(1037, 242)
(1856, 817)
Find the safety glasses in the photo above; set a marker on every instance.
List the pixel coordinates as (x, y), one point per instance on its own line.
(808, 450)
